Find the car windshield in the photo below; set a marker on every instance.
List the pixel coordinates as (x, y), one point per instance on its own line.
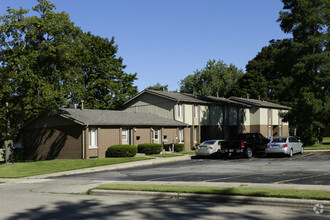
(279, 140)
(209, 142)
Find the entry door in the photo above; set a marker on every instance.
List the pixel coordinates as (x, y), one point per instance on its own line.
(124, 136)
(156, 136)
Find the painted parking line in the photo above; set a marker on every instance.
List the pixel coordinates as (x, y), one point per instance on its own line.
(167, 177)
(301, 178)
(305, 155)
(225, 178)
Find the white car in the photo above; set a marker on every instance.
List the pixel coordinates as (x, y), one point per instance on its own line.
(207, 148)
(284, 145)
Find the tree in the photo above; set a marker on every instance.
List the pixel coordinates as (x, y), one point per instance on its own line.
(38, 66)
(309, 23)
(106, 84)
(216, 79)
(158, 87)
(46, 63)
(269, 75)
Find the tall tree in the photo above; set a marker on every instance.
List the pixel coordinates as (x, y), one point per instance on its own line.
(158, 87)
(38, 66)
(269, 75)
(107, 85)
(216, 79)
(46, 63)
(309, 23)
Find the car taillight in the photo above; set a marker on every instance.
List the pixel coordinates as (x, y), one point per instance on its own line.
(285, 145)
(242, 144)
(210, 147)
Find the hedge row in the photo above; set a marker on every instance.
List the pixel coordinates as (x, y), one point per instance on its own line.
(177, 147)
(123, 150)
(150, 148)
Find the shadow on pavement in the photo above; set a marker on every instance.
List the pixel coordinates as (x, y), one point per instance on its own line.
(144, 209)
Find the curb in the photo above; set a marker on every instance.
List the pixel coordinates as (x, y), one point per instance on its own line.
(118, 166)
(243, 200)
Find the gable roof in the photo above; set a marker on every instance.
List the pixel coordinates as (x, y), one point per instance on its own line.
(173, 96)
(258, 103)
(115, 118)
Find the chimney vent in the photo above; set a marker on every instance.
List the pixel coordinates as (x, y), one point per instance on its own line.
(82, 105)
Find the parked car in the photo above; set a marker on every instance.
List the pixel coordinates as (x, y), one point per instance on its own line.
(247, 144)
(208, 148)
(284, 145)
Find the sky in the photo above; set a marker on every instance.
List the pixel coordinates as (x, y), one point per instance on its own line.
(166, 40)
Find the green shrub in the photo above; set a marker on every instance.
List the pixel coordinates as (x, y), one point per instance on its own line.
(121, 151)
(177, 147)
(150, 148)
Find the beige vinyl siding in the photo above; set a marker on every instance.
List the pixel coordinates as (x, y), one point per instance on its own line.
(233, 116)
(259, 116)
(204, 115)
(275, 116)
(216, 115)
(188, 112)
(152, 104)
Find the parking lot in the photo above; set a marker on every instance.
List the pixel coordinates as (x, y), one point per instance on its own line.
(311, 168)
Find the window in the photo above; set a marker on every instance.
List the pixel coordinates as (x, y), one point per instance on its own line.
(181, 135)
(180, 111)
(155, 136)
(124, 134)
(92, 134)
(195, 111)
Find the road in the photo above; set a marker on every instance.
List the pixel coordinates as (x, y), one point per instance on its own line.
(309, 168)
(27, 201)
(61, 198)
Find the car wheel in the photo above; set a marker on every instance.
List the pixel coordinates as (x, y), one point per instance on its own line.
(218, 154)
(291, 153)
(268, 155)
(249, 153)
(302, 150)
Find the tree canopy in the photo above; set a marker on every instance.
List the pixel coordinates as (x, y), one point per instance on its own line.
(216, 79)
(296, 71)
(309, 23)
(46, 62)
(158, 87)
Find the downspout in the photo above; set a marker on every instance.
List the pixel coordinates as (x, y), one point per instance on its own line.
(83, 143)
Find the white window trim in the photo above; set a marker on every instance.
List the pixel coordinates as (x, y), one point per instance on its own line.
(92, 132)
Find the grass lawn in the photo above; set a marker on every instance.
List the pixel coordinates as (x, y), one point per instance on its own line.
(191, 152)
(165, 155)
(23, 169)
(324, 146)
(281, 193)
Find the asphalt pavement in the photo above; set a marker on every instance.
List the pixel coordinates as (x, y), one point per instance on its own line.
(46, 183)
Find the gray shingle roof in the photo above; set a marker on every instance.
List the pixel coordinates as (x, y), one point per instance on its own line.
(174, 96)
(258, 103)
(117, 118)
